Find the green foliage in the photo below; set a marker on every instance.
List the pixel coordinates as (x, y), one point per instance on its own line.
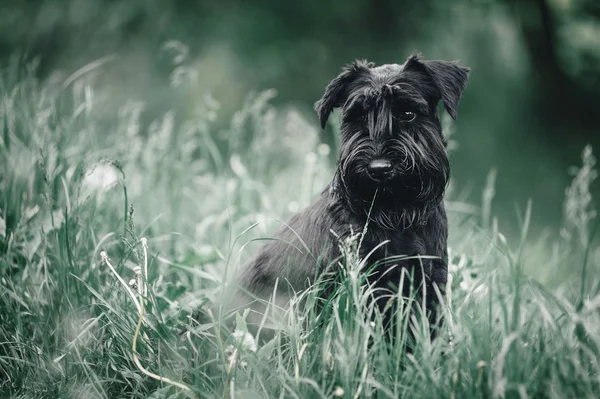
(521, 317)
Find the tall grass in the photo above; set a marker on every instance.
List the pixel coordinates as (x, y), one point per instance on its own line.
(522, 313)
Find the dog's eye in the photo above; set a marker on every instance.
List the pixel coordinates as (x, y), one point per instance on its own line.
(362, 118)
(407, 116)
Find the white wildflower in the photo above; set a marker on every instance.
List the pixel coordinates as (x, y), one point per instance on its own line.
(246, 340)
(323, 149)
(99, 178)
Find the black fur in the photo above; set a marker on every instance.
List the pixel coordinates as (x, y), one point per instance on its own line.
(406, 207)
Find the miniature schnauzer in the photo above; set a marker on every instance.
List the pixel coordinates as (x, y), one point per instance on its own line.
(391, 177)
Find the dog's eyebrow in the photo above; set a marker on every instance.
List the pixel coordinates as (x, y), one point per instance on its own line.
(403, 92)
(360, 100)
(407, 93)
(353, 102)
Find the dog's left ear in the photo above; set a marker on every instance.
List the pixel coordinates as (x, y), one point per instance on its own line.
(336, 92)
(449, 77)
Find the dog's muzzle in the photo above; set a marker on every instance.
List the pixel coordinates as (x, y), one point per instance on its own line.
(380, 169)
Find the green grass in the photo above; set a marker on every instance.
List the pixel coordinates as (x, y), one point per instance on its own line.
(522, 313)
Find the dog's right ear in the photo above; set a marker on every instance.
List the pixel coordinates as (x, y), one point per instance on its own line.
(336, 92)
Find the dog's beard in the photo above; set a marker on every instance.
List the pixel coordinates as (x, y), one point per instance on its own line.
(421, 173)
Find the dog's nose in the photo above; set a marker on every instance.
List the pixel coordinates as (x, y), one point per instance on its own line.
(380, 169)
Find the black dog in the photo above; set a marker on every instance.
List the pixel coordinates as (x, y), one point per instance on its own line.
(392, 174)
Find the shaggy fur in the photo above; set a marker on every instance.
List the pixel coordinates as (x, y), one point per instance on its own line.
(392, 174)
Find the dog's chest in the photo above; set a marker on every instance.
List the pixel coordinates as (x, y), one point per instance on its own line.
(397, 243)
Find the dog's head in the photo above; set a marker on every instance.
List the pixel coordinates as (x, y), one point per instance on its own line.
(393, 159)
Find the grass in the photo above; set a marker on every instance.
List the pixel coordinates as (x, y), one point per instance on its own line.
(80, 190)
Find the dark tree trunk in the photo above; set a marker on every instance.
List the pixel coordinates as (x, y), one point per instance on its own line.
(570, 105)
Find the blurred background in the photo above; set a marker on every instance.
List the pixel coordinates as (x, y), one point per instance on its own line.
(532, 103)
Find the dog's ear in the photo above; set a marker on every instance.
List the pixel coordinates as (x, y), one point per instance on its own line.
(449, 78)
(337, 91)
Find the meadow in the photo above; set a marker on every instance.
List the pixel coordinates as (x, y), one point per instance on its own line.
(114, 232)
